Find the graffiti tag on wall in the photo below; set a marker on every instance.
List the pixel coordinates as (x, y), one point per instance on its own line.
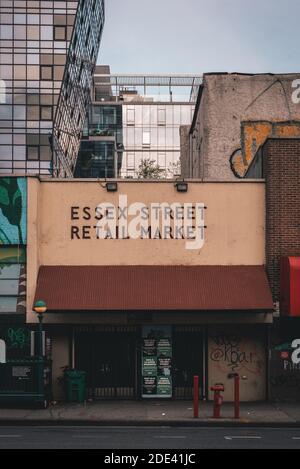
(232, 352)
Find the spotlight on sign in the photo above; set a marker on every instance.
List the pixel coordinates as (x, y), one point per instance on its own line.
(111, 186)
(181, 186)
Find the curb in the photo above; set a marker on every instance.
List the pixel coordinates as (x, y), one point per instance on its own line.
(149, 423)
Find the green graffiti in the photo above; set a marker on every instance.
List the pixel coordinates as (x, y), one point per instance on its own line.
(11, 206)
(17, 339)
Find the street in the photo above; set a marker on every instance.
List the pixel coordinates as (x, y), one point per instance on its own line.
(114, 438)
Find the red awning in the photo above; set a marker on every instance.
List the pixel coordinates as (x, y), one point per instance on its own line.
(290, 286)
(127, 288)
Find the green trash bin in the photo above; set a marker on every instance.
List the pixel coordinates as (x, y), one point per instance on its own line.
(75, 382)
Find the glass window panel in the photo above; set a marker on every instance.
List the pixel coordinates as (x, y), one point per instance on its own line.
(20, 72)
(9, 287)
(146, 115)
(185, 115)
(33, 139)
(46, 19)
(32, 153)
(162, 159)
(19, 139)
(169, 137)
(169, 115)
(19, 112)
(33, 32)
(6, 32)
(5, 111)
(130, 160)
(58, 72)
(8, 304)
(161, 137)
(5, 139)
(33, 73)
(59, 59)
(46, 33)
(6, 58)
(33, 113)
(20, 152)
(130, 116)
(60, 33)
(45, 154)
(6, 18)
(33, 59)
(6, 151)
(46, 99)
(161, 116)
(46, 72)
(46, 113)
(146, 138)
(33, 99)
(176, 115)
(60, 20)
(19, 19)
(46, 59)
(20, 58)
(10, 271)
(6, 72)
(33, 19)
(20, 32)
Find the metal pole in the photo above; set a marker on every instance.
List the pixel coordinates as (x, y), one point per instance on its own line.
(237, 396)
(40, 374)
(196, 396)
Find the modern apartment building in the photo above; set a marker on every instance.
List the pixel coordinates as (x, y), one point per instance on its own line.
(135, 119)
(48, 50)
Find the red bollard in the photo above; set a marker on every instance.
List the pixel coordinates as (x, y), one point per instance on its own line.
(218, 399)
(236, 396)
(196, 396)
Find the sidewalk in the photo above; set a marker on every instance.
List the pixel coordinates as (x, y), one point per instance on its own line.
(169, 413)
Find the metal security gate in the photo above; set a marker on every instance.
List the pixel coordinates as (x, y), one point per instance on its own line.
(188, 360)
(108, 356)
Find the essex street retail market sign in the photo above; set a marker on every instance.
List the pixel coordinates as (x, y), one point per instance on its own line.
(140, 221)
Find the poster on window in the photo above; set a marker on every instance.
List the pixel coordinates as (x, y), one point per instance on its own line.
(156, 362)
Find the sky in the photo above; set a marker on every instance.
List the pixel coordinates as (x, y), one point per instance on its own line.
(200, 36)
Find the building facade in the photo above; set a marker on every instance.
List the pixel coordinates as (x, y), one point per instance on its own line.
(143, 306)
(235, 115)
(48, 51)
(135, 119)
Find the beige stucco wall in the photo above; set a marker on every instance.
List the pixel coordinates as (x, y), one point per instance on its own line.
(238, 350)
(234, 218)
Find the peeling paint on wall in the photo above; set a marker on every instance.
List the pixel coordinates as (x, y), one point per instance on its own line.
(253, 136)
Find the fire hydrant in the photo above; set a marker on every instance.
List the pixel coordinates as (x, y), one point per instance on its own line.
(218, 399)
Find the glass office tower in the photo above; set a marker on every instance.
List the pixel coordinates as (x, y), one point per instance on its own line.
(48, 50)
(135, 119)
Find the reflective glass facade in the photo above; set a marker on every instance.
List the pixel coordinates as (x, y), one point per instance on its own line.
(101, 148)
(37, 40)
(142, 115)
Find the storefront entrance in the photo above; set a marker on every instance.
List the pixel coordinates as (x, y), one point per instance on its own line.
(108, 356)
(140, 362)
(188, 354)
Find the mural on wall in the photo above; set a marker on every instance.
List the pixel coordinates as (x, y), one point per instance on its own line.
(253, 136)
(13, 211)
(17, 341)
(13, 237)
(237, 351)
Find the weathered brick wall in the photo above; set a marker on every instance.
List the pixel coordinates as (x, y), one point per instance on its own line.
(282, 173)
(185, 151)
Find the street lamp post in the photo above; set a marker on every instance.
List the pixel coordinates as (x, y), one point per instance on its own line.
(40, 308)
